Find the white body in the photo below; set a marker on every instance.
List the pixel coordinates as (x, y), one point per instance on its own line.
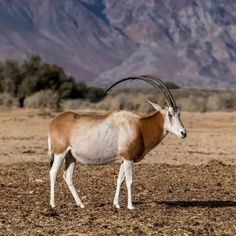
(98, 143)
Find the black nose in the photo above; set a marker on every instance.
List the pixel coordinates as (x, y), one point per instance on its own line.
(184, 134)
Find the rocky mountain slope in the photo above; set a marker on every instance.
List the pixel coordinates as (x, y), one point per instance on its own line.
(189, 42)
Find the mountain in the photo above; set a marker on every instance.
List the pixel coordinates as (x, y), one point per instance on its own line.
(190, 42)
(65, 32)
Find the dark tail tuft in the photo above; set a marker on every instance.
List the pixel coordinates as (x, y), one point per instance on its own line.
(51, 160)
(50, 152)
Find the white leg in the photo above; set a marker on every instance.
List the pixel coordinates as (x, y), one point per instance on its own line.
(68, 177)
(129, 180)
(120, 179)
(58, 159)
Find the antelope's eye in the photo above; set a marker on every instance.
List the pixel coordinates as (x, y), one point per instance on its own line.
(170, 115)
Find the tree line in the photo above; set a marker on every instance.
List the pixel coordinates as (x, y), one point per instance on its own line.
(33, 75)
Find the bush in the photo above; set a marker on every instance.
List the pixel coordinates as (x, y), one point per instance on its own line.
(126, 101)
(192, 103)
(10, 77)
(136, 100)
(43, 99)
(229, 100)
(214, 103)
(75, 104)
(94, 94)
(32, 75)
(6, 99)
(171, 85)
(68, 89)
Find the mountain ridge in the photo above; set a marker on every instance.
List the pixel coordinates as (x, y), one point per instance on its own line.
(189, 42)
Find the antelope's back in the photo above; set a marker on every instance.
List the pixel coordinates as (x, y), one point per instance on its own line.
(93, 139)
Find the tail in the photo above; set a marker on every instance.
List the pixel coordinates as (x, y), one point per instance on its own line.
(50, 152)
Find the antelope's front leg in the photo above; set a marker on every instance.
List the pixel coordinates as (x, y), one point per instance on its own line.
(128, 166)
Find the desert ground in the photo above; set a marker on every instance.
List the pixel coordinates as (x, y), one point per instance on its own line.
(183, 187)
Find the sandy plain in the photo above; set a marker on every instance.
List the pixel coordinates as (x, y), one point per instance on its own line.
(211, 136)
(183, 187)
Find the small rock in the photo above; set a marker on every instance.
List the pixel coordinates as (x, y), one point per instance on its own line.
(38, 181)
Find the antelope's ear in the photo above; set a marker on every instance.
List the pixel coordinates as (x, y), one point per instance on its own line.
(156, 106)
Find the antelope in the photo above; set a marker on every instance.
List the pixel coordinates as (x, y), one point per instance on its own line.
(101, 139)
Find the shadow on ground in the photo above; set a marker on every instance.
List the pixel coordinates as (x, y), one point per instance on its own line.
(200, 204)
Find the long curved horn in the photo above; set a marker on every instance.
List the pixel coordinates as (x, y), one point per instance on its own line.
(146, 79)
(168, 93)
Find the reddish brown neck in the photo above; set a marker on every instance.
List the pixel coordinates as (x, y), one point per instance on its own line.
(152, 128)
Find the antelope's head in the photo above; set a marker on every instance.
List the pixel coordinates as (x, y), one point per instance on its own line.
(172, 120)
(171, 113)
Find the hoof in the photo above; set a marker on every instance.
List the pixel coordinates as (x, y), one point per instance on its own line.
(131, 207)
(117, 206)
(81, 205)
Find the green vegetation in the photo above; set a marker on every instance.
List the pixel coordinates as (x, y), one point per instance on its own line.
(171, 85)
(25, 79)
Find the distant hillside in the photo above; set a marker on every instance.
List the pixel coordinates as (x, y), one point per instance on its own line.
(189, 42)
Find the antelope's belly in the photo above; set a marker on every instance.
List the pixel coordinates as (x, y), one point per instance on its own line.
(94, 160)
(95, 149)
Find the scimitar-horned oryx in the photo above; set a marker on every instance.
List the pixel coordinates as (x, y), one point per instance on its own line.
(100, 139)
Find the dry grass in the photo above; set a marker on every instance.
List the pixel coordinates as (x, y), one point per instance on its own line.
(43, 99)
(136, 100)
(133, 100)
(7, 100)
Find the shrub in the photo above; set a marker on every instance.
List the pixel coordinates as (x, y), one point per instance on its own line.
(6, 99)
(229, 100)
(214, 102)
(32, 75)
(94, 94)
(172, 85)
(76, 104)
(68, 89)
(11, 77)
(192, 103)
(125, 101)
(43, 99)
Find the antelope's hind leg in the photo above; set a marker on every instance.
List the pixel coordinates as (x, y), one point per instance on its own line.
(68, 177)
(57, 161)
(120, 180)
